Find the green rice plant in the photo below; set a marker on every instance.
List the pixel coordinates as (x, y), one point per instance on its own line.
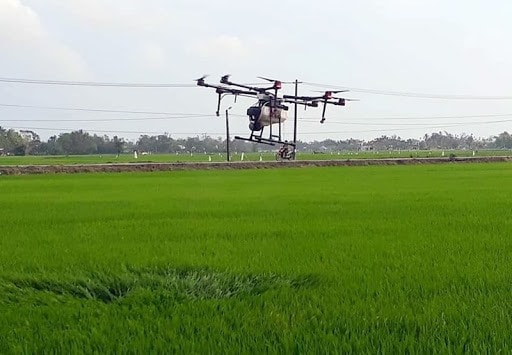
(371, 259)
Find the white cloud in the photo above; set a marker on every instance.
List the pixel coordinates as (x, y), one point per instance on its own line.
(18, 22)
(116, 15)
(153, 56)
(221, 47)
(27, 48)
(406, 9)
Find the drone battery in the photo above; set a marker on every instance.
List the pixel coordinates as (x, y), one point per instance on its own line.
(255, 126)
(254, 113)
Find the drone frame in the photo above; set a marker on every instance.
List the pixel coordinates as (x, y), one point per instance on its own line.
(269, 95)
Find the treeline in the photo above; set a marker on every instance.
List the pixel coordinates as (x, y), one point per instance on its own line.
(26, 142)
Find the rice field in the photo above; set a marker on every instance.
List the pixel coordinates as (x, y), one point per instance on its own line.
(387, 259)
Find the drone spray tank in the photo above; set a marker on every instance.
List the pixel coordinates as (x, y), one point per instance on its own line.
(266, 112)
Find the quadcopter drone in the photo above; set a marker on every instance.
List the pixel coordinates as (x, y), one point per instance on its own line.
(270, 108)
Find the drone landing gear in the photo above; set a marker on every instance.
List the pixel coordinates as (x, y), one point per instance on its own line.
(257, 137)
(286, 152)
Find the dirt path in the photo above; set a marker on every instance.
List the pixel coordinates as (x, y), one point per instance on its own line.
(147, 167)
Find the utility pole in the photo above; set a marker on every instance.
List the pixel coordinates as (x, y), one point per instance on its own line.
(295, 121)
(227, 133)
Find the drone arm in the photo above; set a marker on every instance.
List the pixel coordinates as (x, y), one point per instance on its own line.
(303, 98)
(304, 103)
(202, 83)
(225, 81)
(224, 89)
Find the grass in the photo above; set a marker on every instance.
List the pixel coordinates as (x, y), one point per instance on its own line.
(216, 157)
(361, 259)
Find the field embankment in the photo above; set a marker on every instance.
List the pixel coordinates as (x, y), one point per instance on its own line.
(148, 167)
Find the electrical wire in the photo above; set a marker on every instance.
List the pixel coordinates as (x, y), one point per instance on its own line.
(408, 94)
(395, 129)
(185, 115)
(94, 110)
(408, 124)
(222, 133)
(93, 83)
(108, 84)
(410, 118)
(113, 119)
(183, 85)
(126, 132)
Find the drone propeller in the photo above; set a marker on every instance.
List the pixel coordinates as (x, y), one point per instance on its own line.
(277, 83)
(202, 78)
(225, 79)
(330, 91)
(267, 79)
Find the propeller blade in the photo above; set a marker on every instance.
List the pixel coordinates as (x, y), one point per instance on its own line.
(202, 78)
(267, 79)
(225, 78)
(277, 83)
(274, 80)
(332, 92)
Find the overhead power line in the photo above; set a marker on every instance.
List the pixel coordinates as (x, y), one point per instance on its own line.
(95, 110)
(317, 85)
(212, 116)
(94, 83)
(408, 94)
(411, 118)
(241, 133)
(407, 128)
(118, 131)
(406, 124)
(113, 119)
(185, 115)
(107, 84)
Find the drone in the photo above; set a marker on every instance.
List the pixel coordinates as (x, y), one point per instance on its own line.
(270, 108)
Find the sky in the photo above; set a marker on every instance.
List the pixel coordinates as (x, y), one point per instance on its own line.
(375, 47)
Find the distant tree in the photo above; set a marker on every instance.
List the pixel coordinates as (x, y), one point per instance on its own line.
(80, 142)
(77, 142)
(118, 144)
(31, 141)
(50, 147)
(503, 141)
(11, 142)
